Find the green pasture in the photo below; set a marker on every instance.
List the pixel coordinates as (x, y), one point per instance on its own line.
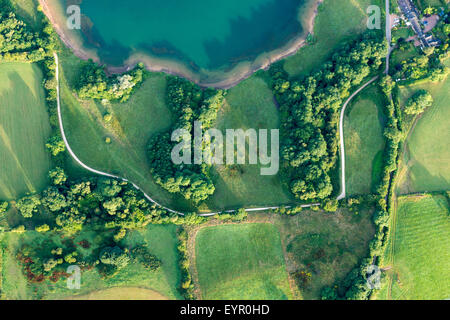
(249, 105)
(325, 246)
(241, 262)
(337, 22)
(161, 241)
(364, 141)
(24, 130)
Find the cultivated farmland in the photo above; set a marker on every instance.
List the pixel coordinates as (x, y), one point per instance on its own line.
(418, 258)
(426, 164)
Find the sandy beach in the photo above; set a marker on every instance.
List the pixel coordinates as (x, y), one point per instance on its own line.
(204, 78)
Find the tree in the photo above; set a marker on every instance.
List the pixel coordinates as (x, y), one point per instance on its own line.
(57, 176)
(417, 104)
(56, 145)
(43, 228)
(28, 205)
(328, 293)
(429, 11)
(3, 207)
(114, 256)
(331, 206)
(54, 200)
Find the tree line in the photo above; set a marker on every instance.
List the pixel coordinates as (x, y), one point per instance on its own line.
(93, 83)
(188, 103)
(310, 114)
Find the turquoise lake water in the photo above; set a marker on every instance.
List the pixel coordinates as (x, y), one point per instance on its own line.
(203, 34)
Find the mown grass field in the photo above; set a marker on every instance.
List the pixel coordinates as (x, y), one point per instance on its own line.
(249, 105)
(337, 22)
(241, 262)
(325, 246)
(419, 256)
(364, 141)
(426, 165)
(164, 282)
(24, 130)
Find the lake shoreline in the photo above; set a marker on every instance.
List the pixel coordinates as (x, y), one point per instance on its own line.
(219, 80)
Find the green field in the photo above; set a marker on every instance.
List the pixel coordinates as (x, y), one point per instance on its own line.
(248, 105)
(419, 257)
(132, 125)
(410, 51)
(241, 262)
(161, 240)
(327, 246)
(426, 164)
(364, 141)
(336, 23)
(24, 130)
(27, 9)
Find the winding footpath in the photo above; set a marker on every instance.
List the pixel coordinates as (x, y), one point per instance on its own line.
(249, 210)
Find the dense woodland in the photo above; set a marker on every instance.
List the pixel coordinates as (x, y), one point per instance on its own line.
(189, 103)
(95, 84)
(310, 114)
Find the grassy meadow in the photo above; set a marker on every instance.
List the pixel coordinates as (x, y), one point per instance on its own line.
(134, 279)
(364, 141)
(426, 166)
(249, 105)
(337, 22)
(130, 127)
(24, 130)
(241, 262)
(418, 256)
(325, 247)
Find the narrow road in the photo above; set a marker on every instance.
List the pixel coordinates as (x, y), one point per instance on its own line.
(388, 34)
